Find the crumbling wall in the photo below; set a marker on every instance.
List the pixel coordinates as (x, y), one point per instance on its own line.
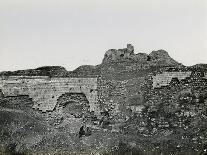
(165, 78)
(114, 55)
(155, 58)
(45, 91)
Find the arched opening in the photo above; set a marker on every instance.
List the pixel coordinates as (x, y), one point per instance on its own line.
(174, 81)
(75, 104)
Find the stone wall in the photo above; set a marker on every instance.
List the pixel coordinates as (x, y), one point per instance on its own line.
(45, 91)
(165, 78)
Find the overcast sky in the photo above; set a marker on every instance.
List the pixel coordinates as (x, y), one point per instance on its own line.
(71, 33)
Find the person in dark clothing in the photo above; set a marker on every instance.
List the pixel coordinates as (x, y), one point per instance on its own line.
(81, 132)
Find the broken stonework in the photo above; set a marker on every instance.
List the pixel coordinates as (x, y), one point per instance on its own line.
(120, 54)
(165, 78)
(145, 101)
(159, 57)
(45, 91)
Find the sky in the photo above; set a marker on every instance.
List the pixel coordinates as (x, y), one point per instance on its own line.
(71, 33)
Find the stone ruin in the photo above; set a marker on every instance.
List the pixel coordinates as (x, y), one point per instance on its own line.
(65, 100)
(159, 57)
(46, 91)
(165, 78)
(113, 54)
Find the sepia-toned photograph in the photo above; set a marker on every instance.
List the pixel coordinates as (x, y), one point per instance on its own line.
(103, 77)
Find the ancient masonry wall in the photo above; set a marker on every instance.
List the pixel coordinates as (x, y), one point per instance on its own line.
(45, 91)
(165, 78)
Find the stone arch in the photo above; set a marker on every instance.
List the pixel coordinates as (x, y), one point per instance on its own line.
(75, 104)
(174, 81)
